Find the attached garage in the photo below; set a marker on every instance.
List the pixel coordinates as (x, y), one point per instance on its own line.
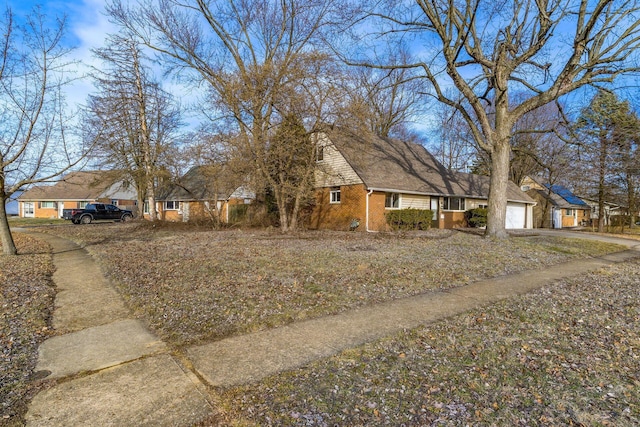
(516, 215)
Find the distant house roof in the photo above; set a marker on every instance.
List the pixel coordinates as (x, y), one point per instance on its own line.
(83, 185)
(566, 194)
(203, 183)
(558, 195)
(393, 165)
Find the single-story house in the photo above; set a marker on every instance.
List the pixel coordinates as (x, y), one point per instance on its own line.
(610, 210)
(557, 206)
(203, 193)
(75, 190)
(361, 177)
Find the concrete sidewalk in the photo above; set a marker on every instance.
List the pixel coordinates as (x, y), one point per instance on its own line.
(112, 371)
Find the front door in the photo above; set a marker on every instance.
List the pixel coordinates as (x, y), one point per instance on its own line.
(433, 205)
(60, 209)
(28, 210)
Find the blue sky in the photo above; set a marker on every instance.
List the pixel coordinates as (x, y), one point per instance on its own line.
(87, 27)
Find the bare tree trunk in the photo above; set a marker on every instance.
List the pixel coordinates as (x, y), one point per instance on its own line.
(140, 198)
(602, 168)
(631, 200)
(283, 214)
(497, 208)
(145, 137)
(8, 245)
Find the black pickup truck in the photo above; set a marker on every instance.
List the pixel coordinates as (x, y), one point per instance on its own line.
(96, 212)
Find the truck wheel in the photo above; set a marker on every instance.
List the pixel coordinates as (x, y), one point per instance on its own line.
(86, 219)
(126, 217)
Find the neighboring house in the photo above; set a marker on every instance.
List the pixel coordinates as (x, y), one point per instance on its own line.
(557, 206)
(75, 190)
(363, 177)
(203, 193)
(610, 210)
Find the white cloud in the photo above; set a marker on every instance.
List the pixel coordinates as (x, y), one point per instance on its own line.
(88, 28)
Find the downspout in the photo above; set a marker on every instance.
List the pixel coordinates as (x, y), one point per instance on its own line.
(367, 210)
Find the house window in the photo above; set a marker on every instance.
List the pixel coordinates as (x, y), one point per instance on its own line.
(81, 205)
(48, 205)
(334, 195)
(114, 202)
(525, 188)
(569, 212)
(319, 153)
(483, 206)
(392, 200)
(453, 204)
(171, 205)
(146, 207)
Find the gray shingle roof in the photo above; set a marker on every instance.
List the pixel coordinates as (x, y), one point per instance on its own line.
(85, 185)
(199, 183)
(401, 166)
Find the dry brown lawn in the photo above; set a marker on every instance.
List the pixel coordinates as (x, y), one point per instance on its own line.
(196, 286)
(568, 354)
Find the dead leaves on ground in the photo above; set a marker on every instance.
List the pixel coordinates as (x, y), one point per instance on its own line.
(566, 355)
(26, 304)
(200, 286)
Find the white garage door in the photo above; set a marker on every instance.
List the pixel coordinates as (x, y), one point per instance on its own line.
(515, 215)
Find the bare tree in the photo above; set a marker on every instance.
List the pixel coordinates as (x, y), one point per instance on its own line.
(453, 143)
(132, 119)
(488, 49)
(34, 144)
(385, 102)
(256, 60)
(536, 139)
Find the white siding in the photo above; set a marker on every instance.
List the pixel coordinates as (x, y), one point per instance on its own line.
(119, 190)
(414, 202)
(334, 169)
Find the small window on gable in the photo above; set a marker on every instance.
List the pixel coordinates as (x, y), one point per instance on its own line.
(453, 204)
(525, 188)
(171, 205)
(392, 200)
(334, 195)
(319, 153)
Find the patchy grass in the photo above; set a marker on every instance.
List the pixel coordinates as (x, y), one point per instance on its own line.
(26, 304)
(196, 286)
(566, 355)
(561, 356)
(15, 221)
